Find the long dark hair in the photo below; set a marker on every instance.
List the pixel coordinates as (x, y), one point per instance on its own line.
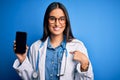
(67, 32)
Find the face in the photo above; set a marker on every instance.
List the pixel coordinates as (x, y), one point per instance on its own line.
(57, 22)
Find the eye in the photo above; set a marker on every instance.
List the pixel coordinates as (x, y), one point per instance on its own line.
(52, 18)
(62, 18)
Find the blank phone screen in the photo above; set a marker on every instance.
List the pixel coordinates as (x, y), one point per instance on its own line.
(21, 38)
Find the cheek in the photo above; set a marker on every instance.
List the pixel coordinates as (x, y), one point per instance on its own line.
(64, 26)
(50, 28)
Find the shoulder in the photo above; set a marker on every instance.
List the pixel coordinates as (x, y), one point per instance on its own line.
(76, 42)
(36, 44)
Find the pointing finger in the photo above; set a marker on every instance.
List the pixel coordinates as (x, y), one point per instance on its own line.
(72, 52)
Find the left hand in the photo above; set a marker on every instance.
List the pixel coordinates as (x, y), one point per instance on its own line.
(82, 58)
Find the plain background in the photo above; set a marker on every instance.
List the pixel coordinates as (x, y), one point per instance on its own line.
(95, 22)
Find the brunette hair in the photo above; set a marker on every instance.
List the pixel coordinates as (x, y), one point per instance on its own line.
(67, 32)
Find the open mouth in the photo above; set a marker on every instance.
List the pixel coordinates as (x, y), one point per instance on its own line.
(56, 28)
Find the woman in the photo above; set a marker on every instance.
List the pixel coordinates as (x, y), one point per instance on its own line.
(58, 55)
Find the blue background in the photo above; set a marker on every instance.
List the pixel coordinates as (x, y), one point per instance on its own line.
(95, 22)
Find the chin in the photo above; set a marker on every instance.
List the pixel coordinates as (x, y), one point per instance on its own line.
(57, 34)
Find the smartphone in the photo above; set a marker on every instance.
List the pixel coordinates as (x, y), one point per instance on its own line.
(21, 39)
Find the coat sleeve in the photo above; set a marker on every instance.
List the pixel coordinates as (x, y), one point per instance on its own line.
(88, 75)
(24, 70)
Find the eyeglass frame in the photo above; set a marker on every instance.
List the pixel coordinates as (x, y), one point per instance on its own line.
(53, 19)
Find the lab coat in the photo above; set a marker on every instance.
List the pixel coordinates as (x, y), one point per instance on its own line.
(72, 68)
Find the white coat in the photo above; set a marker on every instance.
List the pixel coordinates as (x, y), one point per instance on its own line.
(72, 70)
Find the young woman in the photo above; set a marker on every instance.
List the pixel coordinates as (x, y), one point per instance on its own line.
(58, 55)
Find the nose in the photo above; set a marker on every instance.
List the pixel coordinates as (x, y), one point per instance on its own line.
(57, 22)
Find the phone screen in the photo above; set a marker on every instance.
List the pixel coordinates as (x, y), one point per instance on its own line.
(21, 38)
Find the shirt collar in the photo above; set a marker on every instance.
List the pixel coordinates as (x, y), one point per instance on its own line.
(62, 44)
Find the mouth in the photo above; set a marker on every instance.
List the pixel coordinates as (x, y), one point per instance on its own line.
(56, 28)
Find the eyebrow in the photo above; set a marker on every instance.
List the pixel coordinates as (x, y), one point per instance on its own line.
(59, 17)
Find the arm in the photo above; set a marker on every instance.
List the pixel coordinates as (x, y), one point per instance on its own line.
(85, 75)
(24, 69)
(84, 67)
(23, 66)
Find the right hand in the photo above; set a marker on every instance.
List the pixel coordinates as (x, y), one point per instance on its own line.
(21, 57)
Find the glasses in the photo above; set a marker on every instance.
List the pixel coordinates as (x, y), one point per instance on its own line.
(61, 20)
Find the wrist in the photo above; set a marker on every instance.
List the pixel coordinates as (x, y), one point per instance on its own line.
(21, 59)
(84, 67)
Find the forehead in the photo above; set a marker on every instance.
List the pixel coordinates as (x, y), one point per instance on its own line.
(57, 12)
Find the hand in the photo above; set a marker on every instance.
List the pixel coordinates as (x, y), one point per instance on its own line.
(21, 57)
(82, 58)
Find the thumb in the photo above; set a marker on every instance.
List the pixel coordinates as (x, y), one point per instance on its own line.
(71, 52)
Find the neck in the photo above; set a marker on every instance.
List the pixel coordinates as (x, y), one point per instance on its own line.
(56, 40)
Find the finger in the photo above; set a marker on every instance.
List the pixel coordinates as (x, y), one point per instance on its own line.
(73, 52)
(14, 45)
(14, 48)
(27, 47)
(14, 42)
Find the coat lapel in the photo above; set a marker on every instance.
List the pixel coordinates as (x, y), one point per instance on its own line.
(63, 64)
(42, 59)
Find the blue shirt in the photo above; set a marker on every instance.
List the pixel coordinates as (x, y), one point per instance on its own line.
(53, 59)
